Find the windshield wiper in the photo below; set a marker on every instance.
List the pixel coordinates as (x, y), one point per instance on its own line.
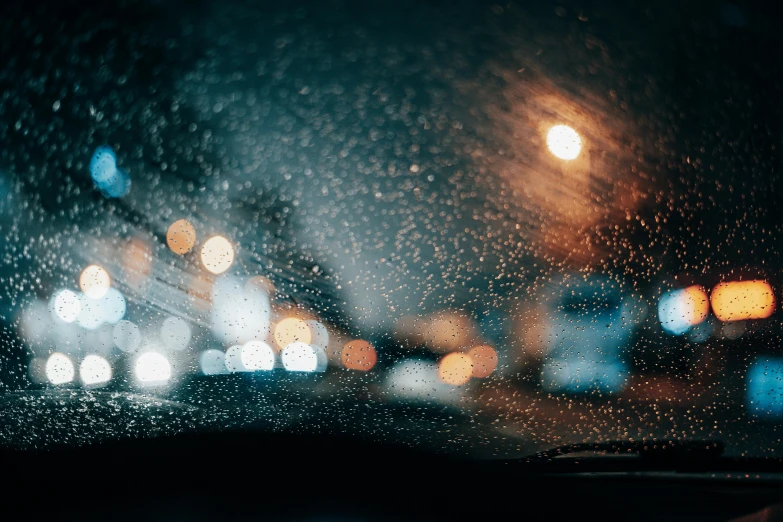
(696, 456)
(668, 449)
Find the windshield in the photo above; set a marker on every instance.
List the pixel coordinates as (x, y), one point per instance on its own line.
(486, 228)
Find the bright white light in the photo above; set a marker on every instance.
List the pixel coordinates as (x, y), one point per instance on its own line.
(91, 314)
(217, 254)
(66, 306)
(257, 355)
(213, 362)
(152, 367)
(95, 370)
(234, 359)
(127, 336)
(175, 333)
(564, 142)
(112, 306)
(238, 316)
(94, 281)
(59, 369)
(300, 357)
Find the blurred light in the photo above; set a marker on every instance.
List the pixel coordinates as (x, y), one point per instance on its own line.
(455, 369)
(449, 331)
(94, 282)
(152, 367)
(701, 332)
(59, 368)
(733, 330)
(103, 165)
(175, 333)
(233, 359)
(112, 306)
(217, 254)
(127, 336)
(91, 314)
(95, 370)
(485, 360)
(299, 357)
(137, 262)
(37, 370)
(318, 332)
(581, 375)
(564, 142)
(213, 362)
(260, 284)
(679, 310)
(740, 300)
(238, 316)
(764, 387)
(257, 355)
(66, 305)
(321, 360)
(292, 330)
(181, 237)
(110, 180)
(359, 355)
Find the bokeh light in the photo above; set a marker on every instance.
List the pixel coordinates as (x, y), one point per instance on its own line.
(112, 306)
(319, 335)
(126, 336)
(94, 369)
(217, 254)
(257, 355)
(455, 369)
(94, 281)
(740, 300)
(292, 330)
(485, 360)
(175, 333)
(212, 362)
(564, 142)
(181, 237)
(66, 305)
(764, 387)
(233, 359)
(359, 355)
(59, 368)
(299, 357)
(681, 309)
(152, 367)
(449, 331)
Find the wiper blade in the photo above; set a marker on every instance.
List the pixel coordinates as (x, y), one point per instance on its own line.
(659, 450)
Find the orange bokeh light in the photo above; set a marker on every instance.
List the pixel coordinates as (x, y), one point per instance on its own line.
(485, 360)
(455, 369)
(359, 355)
(740, 300)
(696, 304)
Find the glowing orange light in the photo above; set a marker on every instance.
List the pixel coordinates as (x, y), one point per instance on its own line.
(449, 331)
(94, 281)
(485, 360)
(696, 304)
(292, 330)
(181, 237)
(740, 300)
(455, 369)
(359, 355)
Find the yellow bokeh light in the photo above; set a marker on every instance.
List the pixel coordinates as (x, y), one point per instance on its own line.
(291, 330)
(181, 237)
(94, 281)
(449, 331)
(564, 142)
(359, 355)
(740, 300)
(455, 369)
(485, 360)
(696, 304)
(217, 254)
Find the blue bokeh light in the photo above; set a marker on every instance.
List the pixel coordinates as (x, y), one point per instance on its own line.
(764, 387)
(110, 180)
